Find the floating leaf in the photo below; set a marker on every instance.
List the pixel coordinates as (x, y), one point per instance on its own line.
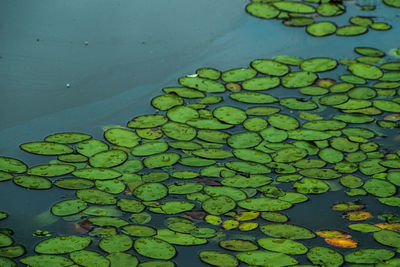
(325, 256)
(217, 258)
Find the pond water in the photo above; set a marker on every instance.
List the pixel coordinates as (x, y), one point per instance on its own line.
(83, 66)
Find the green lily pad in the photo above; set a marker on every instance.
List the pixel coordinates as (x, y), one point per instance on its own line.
(388, 238)
(262, 10)
(265, 258)
(363, 227)
(72, 158)
(238, 245)
(68, 207)
(103, 211)
(299, 79)
(318, 64)
(183, 188)
(319, 173)
(201, 84)
(322, 28)
(354, 118)
(116, 243)
(149, 148)
(247, 167)
(4, 176)
(386, 105)
(62, 244)
(380, 26)
(252, 155)
(89, 258)
(121, 137)
(139, 230)
(239, 74)
(351, 30)
(286, 246)
(264, 204)
(96, 174)
(32, 182)
(288, 231)
(107, 159)
(67, 138)
(110, 186)
(369, 255)
(46, 260)
(5, 240)
(296, 7)
(313, 90)
(122, 259)
(12, 165)
(255, 124)
(218, 205)
(253, 97)
(291, 154)
(325, 256)
(154, 248)
(228, 114)
(49, 170)
(330, 9)
(13, 251)
(94, 196)
(3, 215)
(182, 114)
(365, 71)
(46, 148)
(108, 221)
(167, 101)
(297, 104)
(231, 192)
(161, 160)
(244, 182)
(147, 121)
(270, 67)
(130, 205)
(244, 140)
(196, 162)
(172, 207)
(379, 187)
(151, 191)
(176, 238)
(218, 258)
(352, 79)
(272, 134)
(311, 186)
(90, 147)
(179, 131)
(208, 124)
(209, 73)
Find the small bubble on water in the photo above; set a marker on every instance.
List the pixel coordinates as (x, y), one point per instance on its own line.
(68, 85)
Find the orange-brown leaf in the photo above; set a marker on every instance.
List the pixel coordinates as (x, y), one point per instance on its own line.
(332, 233)
(341, 242)
(389, 226)
(357, 215)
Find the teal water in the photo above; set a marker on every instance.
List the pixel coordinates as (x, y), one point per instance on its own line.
(134, 50)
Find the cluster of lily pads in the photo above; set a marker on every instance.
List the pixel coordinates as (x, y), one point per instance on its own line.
(214, 159)
(311, 14)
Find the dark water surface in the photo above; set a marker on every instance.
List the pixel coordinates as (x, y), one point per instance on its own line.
(116, 56)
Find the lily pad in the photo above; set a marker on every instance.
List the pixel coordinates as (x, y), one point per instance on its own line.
(288, 231)
(62, 244)
(218, 258)
(154, 248)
